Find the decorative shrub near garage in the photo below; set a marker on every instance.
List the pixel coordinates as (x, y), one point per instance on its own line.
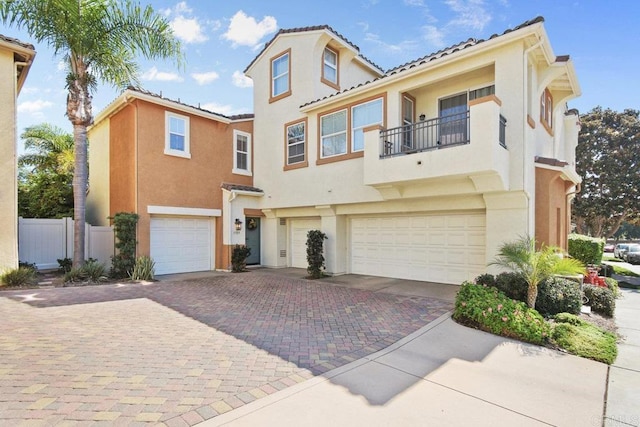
(490, 310)
(239, 257)
(512, 285)
(588, 250)
(601, 299)
(315, 257)
(122, 263)
(21, 276)
(558, 295)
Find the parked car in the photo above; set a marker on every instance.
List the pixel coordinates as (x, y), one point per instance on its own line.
(609, 247)
(619, 250)
(630, 248)
(632, 255)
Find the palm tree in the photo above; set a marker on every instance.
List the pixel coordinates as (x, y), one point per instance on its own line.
(98, 41)
(535, 266)
(46, 173)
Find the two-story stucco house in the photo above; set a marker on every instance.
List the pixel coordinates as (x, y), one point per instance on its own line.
(419, 172)
(15, 60)
(171, 164)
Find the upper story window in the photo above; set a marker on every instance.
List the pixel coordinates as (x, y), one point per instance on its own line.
(333, 134)
(482, 92)
(176, 135)
(363, 115)
(241, 152)
(546, 110)
(281, 76)
(296, 144)
(330, 67)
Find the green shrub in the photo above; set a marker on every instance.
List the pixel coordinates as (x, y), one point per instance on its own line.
(584, 339)
(74, 275)
(144, 269)
(239, 258)
(31, 265)
(17, 277)
(486, 280)
(94, 271)
(490, 310)
(65, 264)
(613, 285)
(558, 295)
(122, 262)
(601, 299)
(315, 257)
(588, 250)
(512, 285)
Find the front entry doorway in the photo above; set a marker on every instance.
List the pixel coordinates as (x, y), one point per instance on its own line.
(252, 240)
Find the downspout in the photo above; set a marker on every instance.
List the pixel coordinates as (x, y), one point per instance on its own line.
(525, 98)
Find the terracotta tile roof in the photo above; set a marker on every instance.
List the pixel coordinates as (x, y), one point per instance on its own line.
(230, 187)
(431, 57)
(16, 42)
(550, 162)
(159, 96)
(312, 28)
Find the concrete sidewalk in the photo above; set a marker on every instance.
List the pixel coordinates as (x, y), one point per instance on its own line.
(623, 397)
(442, 375)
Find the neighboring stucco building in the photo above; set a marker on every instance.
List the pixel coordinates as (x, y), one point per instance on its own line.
(168, 162)
(15, 60)
(420, 172)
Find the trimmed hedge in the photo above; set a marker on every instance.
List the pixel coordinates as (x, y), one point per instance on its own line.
(558, 295)
(587, 249)
(512, 285)
(490, 310)
(601, 299)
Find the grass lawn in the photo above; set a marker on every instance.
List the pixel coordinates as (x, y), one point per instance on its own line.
(584, 339)
(624, 272)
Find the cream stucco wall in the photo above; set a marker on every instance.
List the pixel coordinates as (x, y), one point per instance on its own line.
(8, 163)
(98, 197)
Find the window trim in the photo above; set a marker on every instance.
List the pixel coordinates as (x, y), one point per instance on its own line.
(349, 154)
(236, 170)
(546, 113)
(272, 97)
(347, 117)
(186, 153)
(305, 162)
(335, 85)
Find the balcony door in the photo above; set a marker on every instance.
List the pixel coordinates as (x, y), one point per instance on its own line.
(453, 120)
(408, 117)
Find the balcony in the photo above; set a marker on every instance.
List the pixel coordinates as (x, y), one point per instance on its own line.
(471, 144)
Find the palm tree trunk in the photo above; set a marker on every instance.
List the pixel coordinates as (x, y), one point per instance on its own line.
(532, 295)
(79, 193)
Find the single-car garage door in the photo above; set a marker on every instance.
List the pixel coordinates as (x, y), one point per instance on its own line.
(298, 239)
(437, 248)
(180, 245)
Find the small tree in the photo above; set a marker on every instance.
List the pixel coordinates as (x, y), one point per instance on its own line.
(123, 262)
(535, 266)
(315, 257)
(239, 258)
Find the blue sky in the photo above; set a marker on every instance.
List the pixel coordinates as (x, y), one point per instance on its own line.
(220, 38)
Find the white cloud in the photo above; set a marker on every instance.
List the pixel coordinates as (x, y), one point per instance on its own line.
(414, 2)
(227, 110)
(188, 30)
(34, 106)
(205, 78)
(433, 35)
(246, 31)
(240, 80)
(403, 46)
(470, 14)
(154, 75)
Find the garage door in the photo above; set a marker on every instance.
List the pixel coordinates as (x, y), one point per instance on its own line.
(180, 245)
(443, 248)
(298, 239)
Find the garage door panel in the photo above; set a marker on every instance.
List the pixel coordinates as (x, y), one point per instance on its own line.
(444, 248)
(181, 245)
(298, 245)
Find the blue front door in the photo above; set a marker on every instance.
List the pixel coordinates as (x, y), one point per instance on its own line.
(252, 240)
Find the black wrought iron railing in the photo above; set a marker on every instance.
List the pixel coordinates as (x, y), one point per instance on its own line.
(446, 131)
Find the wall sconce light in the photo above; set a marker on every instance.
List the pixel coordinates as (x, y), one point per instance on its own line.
(422, 117)
(238, 224)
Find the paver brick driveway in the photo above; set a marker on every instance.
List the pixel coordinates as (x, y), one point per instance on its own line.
(181, 352)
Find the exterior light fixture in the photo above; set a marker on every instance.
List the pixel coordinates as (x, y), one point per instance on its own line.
(422, 117)
(238, 224)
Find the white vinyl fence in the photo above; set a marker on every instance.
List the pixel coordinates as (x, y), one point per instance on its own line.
(44, 241)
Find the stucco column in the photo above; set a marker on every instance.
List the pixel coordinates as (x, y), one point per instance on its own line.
(274, 240)
(506, 221)
(335, 247)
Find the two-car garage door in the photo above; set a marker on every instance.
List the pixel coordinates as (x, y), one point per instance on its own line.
(438, 248)
(180, 244)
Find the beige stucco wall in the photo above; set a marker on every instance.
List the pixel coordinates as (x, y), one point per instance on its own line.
(98, 197)
(8, 163)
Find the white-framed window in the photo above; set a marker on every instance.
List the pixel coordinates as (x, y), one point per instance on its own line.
(241, 152)
(330, 66)
(546, 109)
(363, 115)
(176, 135)
(280, 81)
(333, 134)
(296, 143)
